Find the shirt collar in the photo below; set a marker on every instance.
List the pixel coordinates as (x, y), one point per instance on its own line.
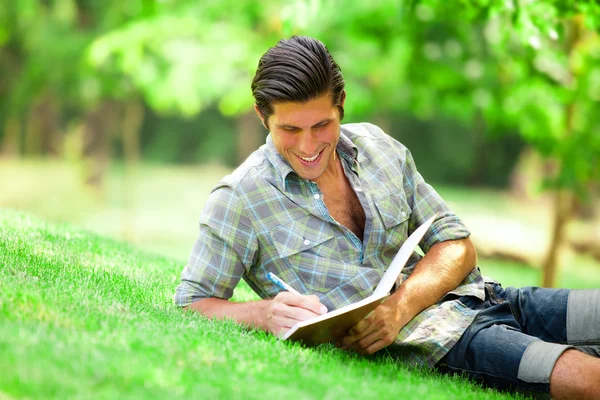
(345, 148)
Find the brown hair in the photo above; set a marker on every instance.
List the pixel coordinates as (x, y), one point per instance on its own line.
(297, 69)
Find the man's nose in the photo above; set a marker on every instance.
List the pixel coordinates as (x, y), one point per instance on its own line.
(308, 144)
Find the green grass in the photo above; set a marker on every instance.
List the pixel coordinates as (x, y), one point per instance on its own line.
(157, 211)
(82, 316)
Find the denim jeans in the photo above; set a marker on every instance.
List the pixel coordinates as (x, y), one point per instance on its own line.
(519, 334)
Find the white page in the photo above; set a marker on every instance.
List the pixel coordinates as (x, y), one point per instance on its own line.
(389, 278)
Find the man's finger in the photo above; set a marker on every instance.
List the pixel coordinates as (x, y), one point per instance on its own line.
(280, 325)
(351, 340)
(314, 297)
(299, 313)
(375, 347)
(306, 302)
(359, 327)
(368, 340)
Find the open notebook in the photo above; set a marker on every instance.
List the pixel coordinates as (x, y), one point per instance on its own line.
(334, 325)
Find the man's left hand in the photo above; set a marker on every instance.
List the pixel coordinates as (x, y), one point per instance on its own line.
(376, 331)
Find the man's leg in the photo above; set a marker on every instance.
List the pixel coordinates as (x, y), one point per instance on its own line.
(556, 315)
(583, 320)
(491, 351)
(502, 348)
(576, 375)
(542, 313)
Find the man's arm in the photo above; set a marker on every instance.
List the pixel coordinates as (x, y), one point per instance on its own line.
(275, 315)
(442, 269)
(226, 246)
(449, 257)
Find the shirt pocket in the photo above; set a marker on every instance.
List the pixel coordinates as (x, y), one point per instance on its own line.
(395, 214)
(308, 247)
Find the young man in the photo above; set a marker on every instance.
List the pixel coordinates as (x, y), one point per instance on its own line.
(326, 206)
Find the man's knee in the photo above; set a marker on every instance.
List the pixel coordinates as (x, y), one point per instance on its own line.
(539, 360)
(583, 317)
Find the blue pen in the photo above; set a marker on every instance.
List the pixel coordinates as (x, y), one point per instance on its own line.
(276, 280)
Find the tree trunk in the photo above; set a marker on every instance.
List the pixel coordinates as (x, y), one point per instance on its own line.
(563, 210)
(563, 206)
(50, 122)
(33, 132)
(97, 128)
(528, 169)
(42, 131)
(132, 121)
(12, 137)
(250, 135)
(476, 178)
(564, 199)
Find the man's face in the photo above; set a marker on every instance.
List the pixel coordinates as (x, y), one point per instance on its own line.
(306, 135)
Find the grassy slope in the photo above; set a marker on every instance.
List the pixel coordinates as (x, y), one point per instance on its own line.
(82, 316)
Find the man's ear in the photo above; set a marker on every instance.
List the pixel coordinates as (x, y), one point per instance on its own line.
(262, 119)
(343, 98)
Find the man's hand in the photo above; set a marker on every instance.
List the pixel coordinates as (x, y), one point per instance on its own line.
(442, 269)
(376, 331)
(287, 309)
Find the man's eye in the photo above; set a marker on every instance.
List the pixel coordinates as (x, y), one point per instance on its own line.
(321, 125)
(289, 129)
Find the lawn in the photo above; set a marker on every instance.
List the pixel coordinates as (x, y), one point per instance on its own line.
(82, 316)
(86, 316)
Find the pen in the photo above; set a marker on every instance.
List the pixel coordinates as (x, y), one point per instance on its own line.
(276, 280)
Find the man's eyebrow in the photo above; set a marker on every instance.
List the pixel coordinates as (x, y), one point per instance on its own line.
(288, 126)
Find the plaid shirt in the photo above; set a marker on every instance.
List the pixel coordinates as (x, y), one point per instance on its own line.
(264, 218)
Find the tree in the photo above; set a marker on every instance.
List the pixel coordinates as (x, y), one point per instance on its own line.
(496, 66)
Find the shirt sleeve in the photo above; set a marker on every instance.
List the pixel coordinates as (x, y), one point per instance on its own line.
(422, 199)
(225, 248)
(425, 202)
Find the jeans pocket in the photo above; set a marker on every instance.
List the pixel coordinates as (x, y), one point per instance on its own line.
(490, 294)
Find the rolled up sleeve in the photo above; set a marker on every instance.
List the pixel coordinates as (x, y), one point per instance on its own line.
(224, 249)
(425, 202)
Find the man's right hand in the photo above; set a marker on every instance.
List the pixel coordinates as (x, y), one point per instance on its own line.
(287, 309)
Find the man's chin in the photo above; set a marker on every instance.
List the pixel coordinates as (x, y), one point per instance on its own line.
(308, 175)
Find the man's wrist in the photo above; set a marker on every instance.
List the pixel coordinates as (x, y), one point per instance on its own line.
(413, 296)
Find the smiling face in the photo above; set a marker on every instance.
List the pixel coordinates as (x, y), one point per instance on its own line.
(306, 135)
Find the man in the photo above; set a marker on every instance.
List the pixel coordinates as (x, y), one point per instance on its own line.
(326, 206)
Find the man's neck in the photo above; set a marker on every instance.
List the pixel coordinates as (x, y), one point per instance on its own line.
(333, 174)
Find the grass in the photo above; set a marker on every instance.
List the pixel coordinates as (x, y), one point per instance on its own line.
(82, 316)
(158, 211)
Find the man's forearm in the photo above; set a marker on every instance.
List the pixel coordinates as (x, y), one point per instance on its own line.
(251, 313)
(442, 269)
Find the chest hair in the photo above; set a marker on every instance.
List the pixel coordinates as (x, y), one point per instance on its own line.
(343, 206)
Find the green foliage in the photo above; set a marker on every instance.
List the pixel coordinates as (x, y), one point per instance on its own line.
(495, 66)
(518, 65)
(185, 57)
(207, 137)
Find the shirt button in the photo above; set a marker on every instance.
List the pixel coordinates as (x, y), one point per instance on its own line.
(306, 242)
(403, 214)
(316, 196)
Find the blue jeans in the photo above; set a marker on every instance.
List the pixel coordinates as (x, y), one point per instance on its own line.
(518, 335)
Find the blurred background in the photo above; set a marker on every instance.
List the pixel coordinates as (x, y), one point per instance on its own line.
(119, 116)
